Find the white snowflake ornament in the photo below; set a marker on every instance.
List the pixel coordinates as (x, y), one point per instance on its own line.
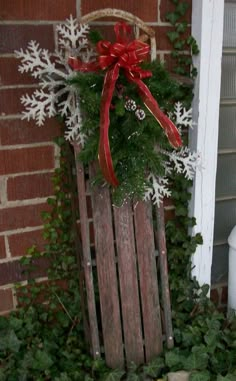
(158, 190)
(182, 116)
(56, 96)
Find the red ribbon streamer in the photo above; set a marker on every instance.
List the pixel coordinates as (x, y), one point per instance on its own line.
(127, 55)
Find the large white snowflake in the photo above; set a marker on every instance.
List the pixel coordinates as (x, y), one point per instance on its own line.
(181, 161)
(55, 95)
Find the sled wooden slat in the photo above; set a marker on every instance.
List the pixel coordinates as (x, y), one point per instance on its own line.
(128, 278)
(161, 240)
(107, 275)
(148, 279)
(87, 262)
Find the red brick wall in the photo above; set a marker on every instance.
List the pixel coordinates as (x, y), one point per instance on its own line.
(27, 154)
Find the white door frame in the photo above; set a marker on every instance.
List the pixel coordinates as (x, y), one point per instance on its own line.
(207, 28)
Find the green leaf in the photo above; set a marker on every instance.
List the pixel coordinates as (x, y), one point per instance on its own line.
(10, 342)
(172, 17)
(132, 377)
(181, 27)
(115, 375)
(154, 368)
(198, 359)
(182, 8)
(2, 375)
(228, 377)
(41, 361)
(172, 359)
(173, 35)
(200, 376)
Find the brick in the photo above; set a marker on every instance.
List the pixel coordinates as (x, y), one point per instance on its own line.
(169, 214)
(21, 216)
(26, 159)
(29, 186)
(10, 75)
(169, 62)
(6, 300)
(21, 242)
(2, 248)
(215, 296)
(37, 10)
(138, 8)
(15, 37)
(10, 103)
(168, 6)
(12, 272)
(17, 131)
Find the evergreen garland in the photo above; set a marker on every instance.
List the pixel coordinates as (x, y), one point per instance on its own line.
(135, 144)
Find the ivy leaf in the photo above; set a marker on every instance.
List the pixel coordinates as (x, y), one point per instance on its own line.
(172, 17)
(115, 375)
(173, 359)
(181, 27)
(204, 290)
(133, 377)
(41, 361)
(2, 375)
(15, 323)
(173, 36)
(228, 377)
(10, 342)
(182, 8)
(198, 359)
(200, 376)
(154, 368)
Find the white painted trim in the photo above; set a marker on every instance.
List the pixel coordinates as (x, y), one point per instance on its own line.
(207, 28)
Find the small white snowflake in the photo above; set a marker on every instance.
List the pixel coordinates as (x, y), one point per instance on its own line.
(158, 190)
(185, 162)
(56, 96)
(182, 116)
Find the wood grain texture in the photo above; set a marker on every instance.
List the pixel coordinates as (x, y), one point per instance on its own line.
(128, 278)
(148, 279)
(87, 261)
(161, 240)
(107, 275)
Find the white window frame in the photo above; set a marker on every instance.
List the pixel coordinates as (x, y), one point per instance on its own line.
(207, 28)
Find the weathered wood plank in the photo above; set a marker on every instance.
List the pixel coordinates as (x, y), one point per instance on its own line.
(148, 279)
(107, 275)
(161, 240)
(128, 277)
(87, 262)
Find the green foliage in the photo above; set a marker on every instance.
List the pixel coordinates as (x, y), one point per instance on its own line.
(44, 340)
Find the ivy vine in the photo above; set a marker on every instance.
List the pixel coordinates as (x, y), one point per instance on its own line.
(181, 40)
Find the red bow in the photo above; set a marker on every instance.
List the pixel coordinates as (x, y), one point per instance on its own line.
(127, 55)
